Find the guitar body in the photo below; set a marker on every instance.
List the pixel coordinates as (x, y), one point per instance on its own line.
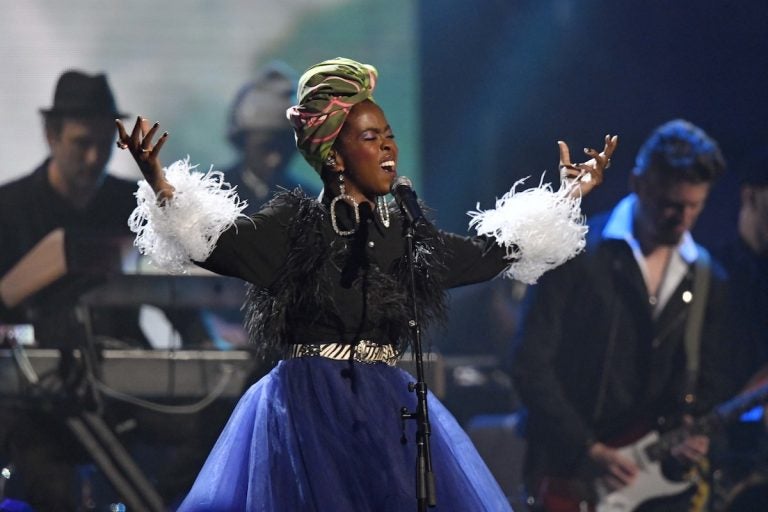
(649, 484)
(563, 495)
(567, 495)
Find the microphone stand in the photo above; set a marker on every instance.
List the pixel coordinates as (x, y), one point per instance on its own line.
(425, 478)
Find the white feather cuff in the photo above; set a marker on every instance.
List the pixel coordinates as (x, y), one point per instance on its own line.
(539, 227)
(185, 228)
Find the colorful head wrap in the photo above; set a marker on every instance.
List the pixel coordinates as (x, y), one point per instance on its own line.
(326, 93)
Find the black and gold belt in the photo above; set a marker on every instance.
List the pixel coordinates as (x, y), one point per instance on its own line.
(364, 351)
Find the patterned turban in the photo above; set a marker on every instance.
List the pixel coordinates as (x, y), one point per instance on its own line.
(326, 93)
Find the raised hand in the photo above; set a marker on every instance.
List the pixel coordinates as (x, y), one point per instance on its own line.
(584, 177)
(145, 153)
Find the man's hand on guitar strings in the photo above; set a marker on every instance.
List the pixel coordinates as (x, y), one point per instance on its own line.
(692, 448)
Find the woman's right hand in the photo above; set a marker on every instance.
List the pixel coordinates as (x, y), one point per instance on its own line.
(145, 153)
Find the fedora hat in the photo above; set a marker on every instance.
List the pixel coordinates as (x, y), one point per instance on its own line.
(79, 94)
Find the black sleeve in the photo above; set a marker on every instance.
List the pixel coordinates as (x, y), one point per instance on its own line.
(471, 259)
(254, 249)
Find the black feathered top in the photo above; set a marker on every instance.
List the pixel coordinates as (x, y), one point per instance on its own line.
(310, 285)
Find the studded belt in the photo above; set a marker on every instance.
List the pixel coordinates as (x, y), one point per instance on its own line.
(364, 351)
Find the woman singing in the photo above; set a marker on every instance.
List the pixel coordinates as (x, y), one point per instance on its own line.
(330, 289)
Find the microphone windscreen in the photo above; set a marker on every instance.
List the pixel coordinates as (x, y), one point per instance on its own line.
(401, 181)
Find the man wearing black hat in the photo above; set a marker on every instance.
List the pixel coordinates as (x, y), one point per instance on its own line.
(68, 197)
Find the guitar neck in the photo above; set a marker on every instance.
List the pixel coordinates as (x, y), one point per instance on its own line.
(709, 423)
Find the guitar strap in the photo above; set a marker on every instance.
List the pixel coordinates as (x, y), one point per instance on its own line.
(694, 323)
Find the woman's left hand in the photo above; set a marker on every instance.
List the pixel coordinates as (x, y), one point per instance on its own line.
(583, 177)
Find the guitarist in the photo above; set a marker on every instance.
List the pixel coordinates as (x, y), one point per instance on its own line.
(600, 357)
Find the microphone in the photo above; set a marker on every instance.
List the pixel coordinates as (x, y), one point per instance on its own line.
(402, 190)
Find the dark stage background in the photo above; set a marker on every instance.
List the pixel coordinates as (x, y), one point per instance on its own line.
(502, 81)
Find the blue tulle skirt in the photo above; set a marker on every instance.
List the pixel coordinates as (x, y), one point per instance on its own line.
(318, 435)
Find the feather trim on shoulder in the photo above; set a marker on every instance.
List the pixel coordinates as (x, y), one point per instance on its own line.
(540, 228)
(186, 227)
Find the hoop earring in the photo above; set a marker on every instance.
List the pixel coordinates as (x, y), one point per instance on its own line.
(383, 209)
(349, 200)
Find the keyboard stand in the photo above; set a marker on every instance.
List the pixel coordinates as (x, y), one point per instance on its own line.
(115, 462)
(107, 452)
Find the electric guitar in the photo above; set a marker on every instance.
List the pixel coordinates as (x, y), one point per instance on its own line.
(648, 452)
